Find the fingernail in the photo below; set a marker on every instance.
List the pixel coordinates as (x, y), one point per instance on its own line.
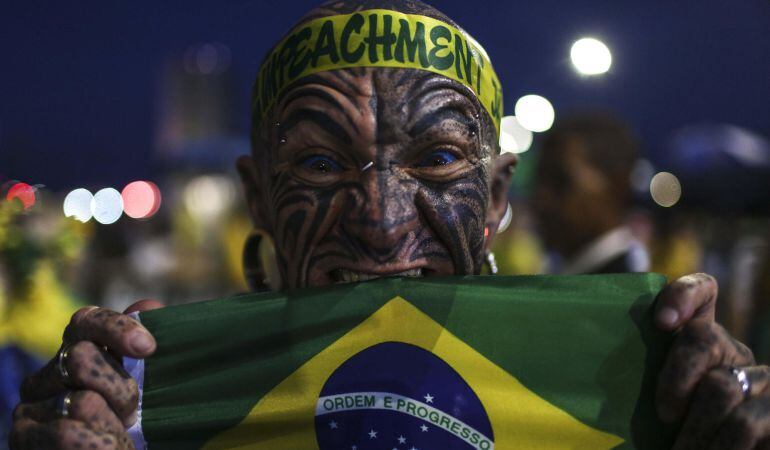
(668, 317)
(141, 342)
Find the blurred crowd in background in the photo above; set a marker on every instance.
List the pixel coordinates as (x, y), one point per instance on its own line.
(586, 198)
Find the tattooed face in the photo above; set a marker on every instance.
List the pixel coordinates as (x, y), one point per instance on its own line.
(375, 172)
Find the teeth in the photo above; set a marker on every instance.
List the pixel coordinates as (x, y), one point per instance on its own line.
(349, 276)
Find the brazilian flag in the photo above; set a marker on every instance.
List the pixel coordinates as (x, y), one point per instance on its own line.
(532, 362)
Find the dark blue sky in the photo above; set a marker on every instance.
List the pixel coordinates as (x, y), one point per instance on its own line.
(79, 80)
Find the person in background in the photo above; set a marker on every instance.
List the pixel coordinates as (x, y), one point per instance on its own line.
(759, 320)
(582, 196)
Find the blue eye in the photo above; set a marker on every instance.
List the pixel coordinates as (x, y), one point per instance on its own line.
(320, 163)
(438, 158)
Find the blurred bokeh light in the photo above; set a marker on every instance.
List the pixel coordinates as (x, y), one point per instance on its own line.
(207, 197)
(591, 56)
(107, 206)
(642, 175)
(22, 192)
(535, 113)
(665, 189)
(141, 199)
(207, 59)
(514, 138)
(77, 204)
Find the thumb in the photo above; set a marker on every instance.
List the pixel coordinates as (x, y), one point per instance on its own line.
(689, 297)
(144, 305)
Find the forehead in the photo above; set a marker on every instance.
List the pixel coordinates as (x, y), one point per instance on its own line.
(401, 90)
(383, 103)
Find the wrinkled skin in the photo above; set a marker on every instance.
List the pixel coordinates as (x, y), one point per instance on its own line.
(104, 398)
(695, 385)
(377, 172)
(433, 187)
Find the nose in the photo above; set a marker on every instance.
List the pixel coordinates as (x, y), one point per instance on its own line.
(384, 215)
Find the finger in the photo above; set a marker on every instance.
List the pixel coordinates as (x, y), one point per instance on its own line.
(88, 407)
(144, 305)
(120, 333)
(717, 394)
(42, 384)
(689, 297)
(748, 424)
(759, 380)
(699, 347)
(64, 434)
(90, 368)
(28, 434)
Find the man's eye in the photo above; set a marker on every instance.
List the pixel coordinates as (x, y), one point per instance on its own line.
(438, 158)
(322, 164)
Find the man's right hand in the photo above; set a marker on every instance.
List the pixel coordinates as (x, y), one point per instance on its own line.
(103, 398)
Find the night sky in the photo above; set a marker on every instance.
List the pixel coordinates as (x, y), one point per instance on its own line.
(79, 81)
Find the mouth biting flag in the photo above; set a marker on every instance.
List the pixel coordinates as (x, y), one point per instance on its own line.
(536, 362)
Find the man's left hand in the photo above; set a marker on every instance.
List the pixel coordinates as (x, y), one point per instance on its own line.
(699, 383)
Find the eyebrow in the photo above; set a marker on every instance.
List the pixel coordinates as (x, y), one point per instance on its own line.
(314, 91)
(453, 111)
(320, 118)
(424, 91)
(312, 86)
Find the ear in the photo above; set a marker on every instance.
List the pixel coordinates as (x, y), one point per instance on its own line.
(502, 171)
(253, 189)
(259, 260)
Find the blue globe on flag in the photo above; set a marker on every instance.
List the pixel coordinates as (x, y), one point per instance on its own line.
(399, 396)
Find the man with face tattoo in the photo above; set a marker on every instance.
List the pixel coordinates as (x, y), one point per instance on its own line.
(383, 169)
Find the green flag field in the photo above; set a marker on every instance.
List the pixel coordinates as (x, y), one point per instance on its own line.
(484, 362)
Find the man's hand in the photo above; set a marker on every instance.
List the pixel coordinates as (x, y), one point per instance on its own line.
(697, 385)
(102, 397)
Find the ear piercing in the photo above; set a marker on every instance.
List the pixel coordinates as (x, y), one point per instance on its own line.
(491, 263)
(367, 166)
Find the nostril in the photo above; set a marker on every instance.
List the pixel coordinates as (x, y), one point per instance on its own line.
(379, 248)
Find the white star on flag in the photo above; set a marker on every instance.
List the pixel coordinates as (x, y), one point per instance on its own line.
(333, 425)
(423, 428)
(428, 398)
(372, 434)
(413, 448)
(401, 439)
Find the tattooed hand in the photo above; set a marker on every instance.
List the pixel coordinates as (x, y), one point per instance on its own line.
(103, 397)
(696, 385)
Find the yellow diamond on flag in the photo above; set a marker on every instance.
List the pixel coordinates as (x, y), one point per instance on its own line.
(461, 399)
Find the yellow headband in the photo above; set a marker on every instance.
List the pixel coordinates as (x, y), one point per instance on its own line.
(379, 38)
